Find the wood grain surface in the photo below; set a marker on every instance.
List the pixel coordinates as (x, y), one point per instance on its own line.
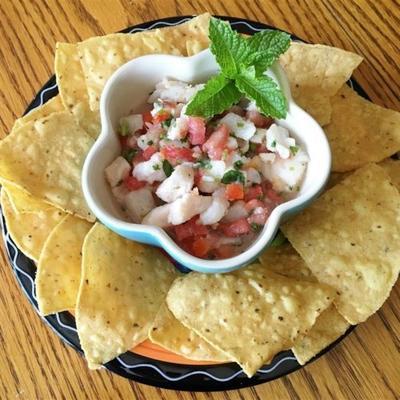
(34, 363)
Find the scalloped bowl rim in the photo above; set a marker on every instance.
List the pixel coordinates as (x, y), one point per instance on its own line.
(159, 235)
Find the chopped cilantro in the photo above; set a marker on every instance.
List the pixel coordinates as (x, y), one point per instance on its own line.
(156, 167)
(273, 144)
(167, 168)
(166, 124)
(240, 124)
(238, 164)
(204, 163)
(233, 176)
(129, 154)
(150, 143)
(294, 149)
(251, 150)
(256, 227)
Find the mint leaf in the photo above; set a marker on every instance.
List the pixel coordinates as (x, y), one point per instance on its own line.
(264, 91)
(229, 48)
(266, 46)
(218, 94)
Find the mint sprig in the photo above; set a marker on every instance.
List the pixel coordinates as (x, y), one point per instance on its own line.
(264, 91)
(229, 48)
(218, 94)
(243, 63)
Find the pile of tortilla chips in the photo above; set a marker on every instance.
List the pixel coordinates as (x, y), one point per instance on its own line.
(337, 268)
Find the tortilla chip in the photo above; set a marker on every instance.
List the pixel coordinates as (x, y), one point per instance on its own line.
(72, 87)
(29, 231)
(337, 177)
(169, 333)
(45, 158)
(52, 105)
(330, 325)
(123, 285)
(360, 131)
(248, 318)
(59, 268)
(316, 73)
(349, 239)
(285, 260)
(23, 202)
(392, 167)
(101, 56)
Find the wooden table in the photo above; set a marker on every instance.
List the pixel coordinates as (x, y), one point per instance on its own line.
(34, 363)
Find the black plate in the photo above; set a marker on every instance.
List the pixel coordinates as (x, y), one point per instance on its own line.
(130, 365)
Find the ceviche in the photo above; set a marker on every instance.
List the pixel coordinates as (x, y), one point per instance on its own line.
(210, 183)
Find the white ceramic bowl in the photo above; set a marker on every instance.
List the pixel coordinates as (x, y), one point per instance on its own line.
(128, 89)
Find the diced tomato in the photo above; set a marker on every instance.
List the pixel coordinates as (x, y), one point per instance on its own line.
(273, 196)
(123, 140)
(266, 185)
(252, 204)
(131, 183)
(216, 143)
(147, 117)
(177, 154)
(161, 116)
(254, 192)
(186, 244)
(201, 246)
(197, 130)
(259, 216)
(189, 229)
(259, 120)
(234, 191)
(225, 251)
(148, 152)
(236, 228)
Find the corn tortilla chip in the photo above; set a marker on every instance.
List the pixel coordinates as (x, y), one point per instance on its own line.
(59, 267)
(360, 131)
(316, 73)
(123, 285)
(52, 105)
(249, 318)
(45, 158)
(23, 202)
(101, 56)
(169, 333)
(337, 177)
(349, 239)
(392, 167)
(329, 326)
(29, 231)
(72, 87)
(285, 260)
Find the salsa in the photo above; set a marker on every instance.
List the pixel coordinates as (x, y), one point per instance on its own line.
(210, 183)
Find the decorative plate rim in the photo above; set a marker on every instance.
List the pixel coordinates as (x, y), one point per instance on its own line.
(136, 367)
